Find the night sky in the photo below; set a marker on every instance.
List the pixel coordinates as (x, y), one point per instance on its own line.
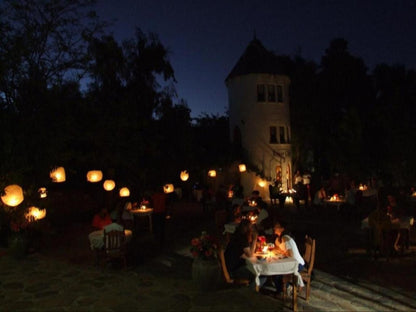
(206, 38)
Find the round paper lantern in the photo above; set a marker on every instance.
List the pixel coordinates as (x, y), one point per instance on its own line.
(58, 175)
(43, 192)
(212, 173)
(109, 185)
(242, 167)
(184, 175)
(35, 213)
(168, 188)
(94, 176)
(124, 192)
(262, 183)
(13, 195)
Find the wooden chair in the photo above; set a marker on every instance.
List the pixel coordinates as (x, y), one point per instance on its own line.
(225, 272)
(115, 246)
(309, 257)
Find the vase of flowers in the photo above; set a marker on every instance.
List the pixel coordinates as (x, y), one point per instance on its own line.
(205, 267)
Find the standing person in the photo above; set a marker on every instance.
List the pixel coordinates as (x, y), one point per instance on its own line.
(285, 245)
(159, 215)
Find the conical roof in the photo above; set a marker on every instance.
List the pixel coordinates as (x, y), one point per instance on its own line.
(256, 59)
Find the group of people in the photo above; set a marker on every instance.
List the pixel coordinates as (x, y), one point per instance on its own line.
(242, 246)
(121, 214)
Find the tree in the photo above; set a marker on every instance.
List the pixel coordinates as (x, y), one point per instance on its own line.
(43, 51)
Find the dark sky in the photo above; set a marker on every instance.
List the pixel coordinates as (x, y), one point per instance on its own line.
(206, 38)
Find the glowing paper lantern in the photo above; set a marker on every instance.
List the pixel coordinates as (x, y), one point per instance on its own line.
(43, 192)
(212, 173)
(13, 195)
(168, 188)
(184, 175)
(94, 176)
(242, 167)
(35, 213)
(262, 183)
(109, 185)
(124, 192)
(58, 175)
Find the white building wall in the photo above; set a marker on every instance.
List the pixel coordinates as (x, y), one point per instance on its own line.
(254, 120)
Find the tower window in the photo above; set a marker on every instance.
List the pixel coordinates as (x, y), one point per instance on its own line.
(261, 93)
(280, 94)
(282, 135)
(273, 135)
(271, 93)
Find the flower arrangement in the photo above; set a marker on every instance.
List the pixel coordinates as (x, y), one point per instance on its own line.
(204, 247)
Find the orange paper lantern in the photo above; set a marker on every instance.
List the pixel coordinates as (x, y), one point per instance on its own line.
(13, 195)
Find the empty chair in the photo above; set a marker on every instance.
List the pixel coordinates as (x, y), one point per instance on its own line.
(115, 246)
(309, 257)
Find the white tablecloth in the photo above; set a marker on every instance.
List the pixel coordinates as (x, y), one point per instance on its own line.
(272, 266)
(97, 238)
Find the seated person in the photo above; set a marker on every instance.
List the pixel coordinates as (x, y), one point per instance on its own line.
(255, 197)
(101, 219)
(262, 216)
(236, 214)
(285, 245)
(240, 248)
(320, 196)
(127, 218)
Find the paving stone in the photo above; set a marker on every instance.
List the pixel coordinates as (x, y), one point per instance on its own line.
(14, 285)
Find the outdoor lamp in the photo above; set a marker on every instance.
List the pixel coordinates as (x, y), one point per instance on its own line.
(124, 192)
(168, 188)
(35, 213)
(13, 195)
(242, 167)
(184, 175)
(43, 192)
(94, 176)
(212, 173)
(58, 175)
(109, 185)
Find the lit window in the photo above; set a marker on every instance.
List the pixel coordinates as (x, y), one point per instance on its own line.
(261, 93)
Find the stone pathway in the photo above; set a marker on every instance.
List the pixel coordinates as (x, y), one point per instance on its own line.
(38, 283)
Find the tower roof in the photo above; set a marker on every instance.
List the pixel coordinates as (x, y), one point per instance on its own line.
(256, 59)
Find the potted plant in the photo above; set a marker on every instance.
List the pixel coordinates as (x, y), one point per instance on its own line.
(205, 267)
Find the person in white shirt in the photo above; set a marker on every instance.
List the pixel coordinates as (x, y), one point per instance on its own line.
(285, 245)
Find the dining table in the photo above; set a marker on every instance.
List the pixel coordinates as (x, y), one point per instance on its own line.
(269, 264)
(143, 213)
(330, 202)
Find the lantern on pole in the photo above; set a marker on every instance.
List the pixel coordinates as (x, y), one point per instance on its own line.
(242, 167)
(124, 192)
(212, 173)
(94, 176)
(168, 188)
(109, 185)
(43, 192)
(58, 175)
(184, 175)
(13, 195)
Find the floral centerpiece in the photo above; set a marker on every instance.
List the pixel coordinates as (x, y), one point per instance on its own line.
(204, 247)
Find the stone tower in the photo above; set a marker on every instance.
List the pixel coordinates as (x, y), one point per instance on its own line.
(258, 99)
